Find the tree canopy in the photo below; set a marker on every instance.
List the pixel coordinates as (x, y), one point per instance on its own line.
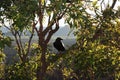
(96, 27)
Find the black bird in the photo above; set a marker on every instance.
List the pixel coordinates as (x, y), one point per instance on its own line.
(58, 44)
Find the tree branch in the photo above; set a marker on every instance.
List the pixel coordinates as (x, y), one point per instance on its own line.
(19, 48)
(20, 41)
(52, 22)
(113, 4)
(52, 32)
(40, 14)
(30, 39)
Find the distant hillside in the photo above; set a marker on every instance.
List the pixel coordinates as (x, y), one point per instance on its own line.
(63, 31)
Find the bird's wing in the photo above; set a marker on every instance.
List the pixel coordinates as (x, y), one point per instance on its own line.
(61, 46)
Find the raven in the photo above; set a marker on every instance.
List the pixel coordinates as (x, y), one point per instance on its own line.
(58, 44)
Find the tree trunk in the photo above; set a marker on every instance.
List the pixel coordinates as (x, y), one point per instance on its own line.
(42, 67)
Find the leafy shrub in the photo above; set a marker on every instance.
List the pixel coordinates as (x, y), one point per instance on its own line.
(20, 72)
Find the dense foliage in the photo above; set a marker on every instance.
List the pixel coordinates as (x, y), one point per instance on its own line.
(95, 56)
